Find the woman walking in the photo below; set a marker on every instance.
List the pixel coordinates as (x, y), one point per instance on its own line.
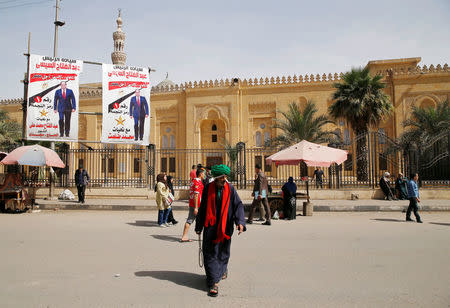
(289, 198)
(162, 194)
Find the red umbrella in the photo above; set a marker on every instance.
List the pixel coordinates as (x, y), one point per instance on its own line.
(33, 155)
(312, 154)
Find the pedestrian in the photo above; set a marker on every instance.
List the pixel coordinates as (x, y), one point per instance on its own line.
(318, 174)
(193, 172)
(171, 219)
(260, 190)
(162, 196)
(81, 180)
(220, 209)
(385, 185)
(195, 197)
(413, 196)
(208, 177)
(400, 187)
(289, 190)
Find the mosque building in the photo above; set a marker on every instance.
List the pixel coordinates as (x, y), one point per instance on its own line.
(206, 114)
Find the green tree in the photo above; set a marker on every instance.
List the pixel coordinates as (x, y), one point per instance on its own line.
(425, 125)
(10, 131)
(298, 125)
(360, 99)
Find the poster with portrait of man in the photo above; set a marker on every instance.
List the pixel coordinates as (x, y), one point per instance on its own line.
(126, 105)
(53, 98)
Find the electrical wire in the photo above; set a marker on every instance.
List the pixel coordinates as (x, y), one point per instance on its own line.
(23, 4)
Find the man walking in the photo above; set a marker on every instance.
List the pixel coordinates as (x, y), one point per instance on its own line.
(220, 209)
(413, 196)
(81, 180)
(138, 111)
(64, 104)
(318, 174)
(260, 191)
(195, 197)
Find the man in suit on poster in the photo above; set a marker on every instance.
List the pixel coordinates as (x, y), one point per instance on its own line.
(138, 111)
(64, 104)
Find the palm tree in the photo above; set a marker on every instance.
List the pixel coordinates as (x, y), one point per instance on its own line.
(425, 125)
(428, 131)
(10, 131)
(360, 99)
(299, 125)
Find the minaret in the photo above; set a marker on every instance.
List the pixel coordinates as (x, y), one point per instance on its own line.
(119, 57)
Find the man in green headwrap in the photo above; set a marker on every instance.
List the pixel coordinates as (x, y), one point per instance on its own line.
(220, 209)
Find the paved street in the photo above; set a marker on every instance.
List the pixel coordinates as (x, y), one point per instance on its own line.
(123, 259)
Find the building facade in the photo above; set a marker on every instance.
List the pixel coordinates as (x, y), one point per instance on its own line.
(210, 114)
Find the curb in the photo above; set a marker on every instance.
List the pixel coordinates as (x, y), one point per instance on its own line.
(317, 208)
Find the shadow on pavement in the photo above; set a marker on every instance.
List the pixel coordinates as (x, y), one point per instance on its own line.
(144, 223)
(169, 238)
(389, 219)
(190, 280)
(440, 223)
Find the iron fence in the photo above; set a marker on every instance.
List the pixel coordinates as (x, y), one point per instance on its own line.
(370, 155)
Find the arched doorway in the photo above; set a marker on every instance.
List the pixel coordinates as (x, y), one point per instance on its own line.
(212, 137)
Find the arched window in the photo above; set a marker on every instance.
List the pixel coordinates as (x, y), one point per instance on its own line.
(337, 132)
(381, 136)
(266, 137)
(347, 139)
(214, 127)
(172, 141)
(258, 139)
(164, 142)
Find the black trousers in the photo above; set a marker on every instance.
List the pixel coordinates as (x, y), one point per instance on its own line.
(139, 128)
(64, 122)
(290, 208)
(413, 207)
(81, 189)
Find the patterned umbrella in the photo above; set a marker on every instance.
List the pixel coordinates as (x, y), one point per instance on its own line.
(33, 155)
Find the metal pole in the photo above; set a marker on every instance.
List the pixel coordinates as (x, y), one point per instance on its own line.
(55, 47)
(55, 41)
(25, 92)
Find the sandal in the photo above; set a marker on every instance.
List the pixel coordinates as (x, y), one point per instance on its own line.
(185, 241)
(225, 275)
(214, 291)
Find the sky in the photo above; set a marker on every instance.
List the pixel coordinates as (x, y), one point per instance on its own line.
(203, 40)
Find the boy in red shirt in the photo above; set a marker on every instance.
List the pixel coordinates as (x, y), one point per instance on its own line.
(195, 196)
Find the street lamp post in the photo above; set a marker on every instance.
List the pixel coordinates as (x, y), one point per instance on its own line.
(55, 52)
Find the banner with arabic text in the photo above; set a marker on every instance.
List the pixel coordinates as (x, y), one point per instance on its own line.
(126, 104)
(53, 98)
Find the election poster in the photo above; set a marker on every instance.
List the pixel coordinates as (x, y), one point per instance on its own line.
(126, 105)
(53, 98)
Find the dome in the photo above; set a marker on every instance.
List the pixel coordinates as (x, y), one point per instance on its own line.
(166, 83)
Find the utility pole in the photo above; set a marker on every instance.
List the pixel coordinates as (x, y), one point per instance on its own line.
(55, 53)
(57, 24)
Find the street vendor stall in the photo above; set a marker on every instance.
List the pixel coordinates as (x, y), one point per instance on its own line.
(311, 154)
(33, 155)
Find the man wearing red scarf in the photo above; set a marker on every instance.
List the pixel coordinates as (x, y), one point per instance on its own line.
(220, 209)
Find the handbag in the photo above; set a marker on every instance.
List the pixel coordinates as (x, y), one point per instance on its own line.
(170, 199)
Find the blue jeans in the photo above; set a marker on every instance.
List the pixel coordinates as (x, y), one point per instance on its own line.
(163, 215)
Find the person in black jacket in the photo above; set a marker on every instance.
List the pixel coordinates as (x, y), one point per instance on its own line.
(81, 180)
(170, 218)
(289, 197)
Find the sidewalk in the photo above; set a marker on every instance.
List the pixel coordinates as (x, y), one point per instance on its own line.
(319, 205)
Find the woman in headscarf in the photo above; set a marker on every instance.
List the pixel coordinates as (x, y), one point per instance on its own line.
(162, 195)
(289, 197)
(400, 187)
(385, 186)
(171, 219)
